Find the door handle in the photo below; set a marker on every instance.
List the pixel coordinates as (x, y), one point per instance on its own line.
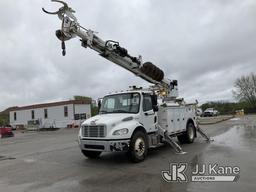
(148, 114)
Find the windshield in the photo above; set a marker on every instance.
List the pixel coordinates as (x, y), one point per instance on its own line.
(121, 103)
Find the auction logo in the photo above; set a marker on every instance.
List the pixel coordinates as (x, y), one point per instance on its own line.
(178, 172)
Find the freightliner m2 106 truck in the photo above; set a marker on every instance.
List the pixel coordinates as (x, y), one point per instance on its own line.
(136, 119)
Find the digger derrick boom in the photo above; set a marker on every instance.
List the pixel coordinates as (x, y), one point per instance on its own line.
(110, 50)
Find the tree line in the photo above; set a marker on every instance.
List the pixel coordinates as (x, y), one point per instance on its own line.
(244, 93)
(229, 107)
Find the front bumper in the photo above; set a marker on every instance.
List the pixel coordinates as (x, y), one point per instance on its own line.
(104, 145)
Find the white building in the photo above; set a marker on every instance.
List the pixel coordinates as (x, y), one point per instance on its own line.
(58, 114)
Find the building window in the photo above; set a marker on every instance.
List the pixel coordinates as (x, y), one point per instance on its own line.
(45, 113)
(15, 116)
(81, 116)
(66, 111)
(32, 114)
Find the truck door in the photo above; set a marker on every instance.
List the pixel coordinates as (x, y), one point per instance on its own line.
(148, 115)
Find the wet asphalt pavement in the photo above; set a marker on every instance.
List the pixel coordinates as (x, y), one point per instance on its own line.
(51, 161)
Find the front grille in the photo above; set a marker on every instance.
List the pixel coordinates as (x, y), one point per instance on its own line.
(94, 131)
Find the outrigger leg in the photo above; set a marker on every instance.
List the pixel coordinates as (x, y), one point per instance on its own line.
(202, 133)
(170, 141)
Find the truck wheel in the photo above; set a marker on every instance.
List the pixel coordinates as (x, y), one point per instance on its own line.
(189, 135)
(138, 147)
(91, 154)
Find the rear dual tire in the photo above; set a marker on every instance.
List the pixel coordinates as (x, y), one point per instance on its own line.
(189, 135)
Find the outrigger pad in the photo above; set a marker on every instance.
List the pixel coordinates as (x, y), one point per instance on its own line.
(203, 134)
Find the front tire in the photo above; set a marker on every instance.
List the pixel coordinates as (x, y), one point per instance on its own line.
(138, 147)
(189, 135)
(91, 154)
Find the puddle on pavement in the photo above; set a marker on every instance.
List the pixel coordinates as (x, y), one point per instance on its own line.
(239, 136)
(29, 160)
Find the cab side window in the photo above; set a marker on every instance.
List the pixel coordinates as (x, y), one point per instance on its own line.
(147, 103)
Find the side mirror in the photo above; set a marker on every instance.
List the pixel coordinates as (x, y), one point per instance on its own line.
(99, 105)
(155, 108)
(154, 99)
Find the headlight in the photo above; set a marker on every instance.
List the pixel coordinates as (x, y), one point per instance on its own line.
(121, 132)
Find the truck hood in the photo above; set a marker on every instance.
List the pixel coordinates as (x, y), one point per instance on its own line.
(108, 119)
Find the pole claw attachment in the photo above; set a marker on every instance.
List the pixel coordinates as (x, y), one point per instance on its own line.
(65, 9)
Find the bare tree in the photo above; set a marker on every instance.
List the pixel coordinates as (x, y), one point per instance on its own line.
(245, 89)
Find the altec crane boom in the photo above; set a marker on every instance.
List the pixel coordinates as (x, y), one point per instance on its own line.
(111, 50)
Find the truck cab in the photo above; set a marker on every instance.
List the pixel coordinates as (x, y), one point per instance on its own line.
(121, 115)
(127, 121)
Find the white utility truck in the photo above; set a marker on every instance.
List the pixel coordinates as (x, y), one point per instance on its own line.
(136, 119)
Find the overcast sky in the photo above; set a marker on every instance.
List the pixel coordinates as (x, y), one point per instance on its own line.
(205, 44)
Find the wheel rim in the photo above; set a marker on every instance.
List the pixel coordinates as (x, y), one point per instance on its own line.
(191, 132)
(139, 147)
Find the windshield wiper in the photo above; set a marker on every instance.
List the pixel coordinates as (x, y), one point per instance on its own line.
(103, 111)
(120, 111)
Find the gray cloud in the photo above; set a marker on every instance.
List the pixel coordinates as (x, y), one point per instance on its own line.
(204, 44)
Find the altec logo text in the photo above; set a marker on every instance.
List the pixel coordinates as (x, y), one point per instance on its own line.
(178, 172)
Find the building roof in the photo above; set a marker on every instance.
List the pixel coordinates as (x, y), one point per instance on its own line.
(6, 111)
(53, 104)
